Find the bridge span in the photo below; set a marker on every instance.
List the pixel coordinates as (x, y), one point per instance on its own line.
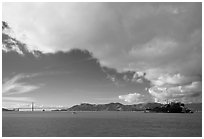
(37, 108)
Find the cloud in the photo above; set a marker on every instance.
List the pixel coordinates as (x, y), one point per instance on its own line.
(14, 86)
(126, 36)
(162, 40)
(134, 98)
(136, 36)
(172, 79)
(173, 86)
(177, 93)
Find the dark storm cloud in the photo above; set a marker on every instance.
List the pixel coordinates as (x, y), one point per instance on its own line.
(17, 59)
(74, 61)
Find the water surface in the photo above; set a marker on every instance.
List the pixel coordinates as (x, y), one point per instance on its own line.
(101, 124)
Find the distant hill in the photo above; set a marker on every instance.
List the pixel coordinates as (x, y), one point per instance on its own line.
(99, 107)
(121, 107)
(112, 107)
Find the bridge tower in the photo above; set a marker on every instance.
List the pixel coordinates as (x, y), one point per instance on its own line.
(32, 106)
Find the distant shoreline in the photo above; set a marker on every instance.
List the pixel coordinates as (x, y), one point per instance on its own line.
(86, 107)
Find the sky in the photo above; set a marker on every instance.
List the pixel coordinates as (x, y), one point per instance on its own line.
(62, 54)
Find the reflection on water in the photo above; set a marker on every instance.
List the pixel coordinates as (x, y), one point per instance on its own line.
(101, 124)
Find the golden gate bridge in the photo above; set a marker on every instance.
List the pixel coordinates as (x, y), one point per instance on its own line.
(42, 108)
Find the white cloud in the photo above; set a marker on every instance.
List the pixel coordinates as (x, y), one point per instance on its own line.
(14, 86)
(166, 84)
(138, 74)
(171, 79)
(138, 77)
(178, 93)
(133, 98)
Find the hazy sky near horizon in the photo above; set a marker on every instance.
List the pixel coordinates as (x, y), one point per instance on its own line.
(101, 53)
